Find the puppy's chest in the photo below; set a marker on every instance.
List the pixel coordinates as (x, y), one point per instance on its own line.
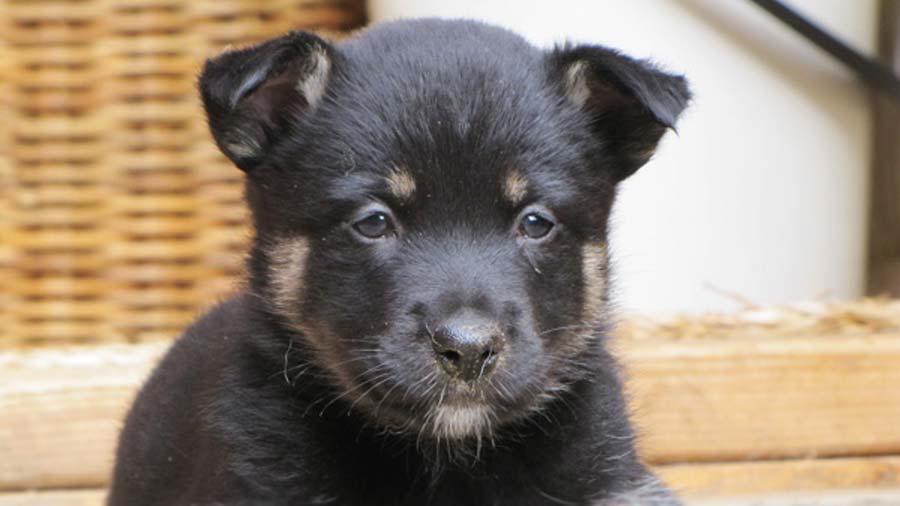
(366, 479)
(498, 490)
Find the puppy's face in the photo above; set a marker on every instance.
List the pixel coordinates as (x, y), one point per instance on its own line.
(431, 201)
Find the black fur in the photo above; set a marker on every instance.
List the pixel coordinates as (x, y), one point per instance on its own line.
(323, 382)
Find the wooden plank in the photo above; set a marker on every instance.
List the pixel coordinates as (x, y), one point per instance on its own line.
(748, 399)
(697, 400)
(728, 479)
(61, 411)
(831, 498)
(54, 498)
(779, 476)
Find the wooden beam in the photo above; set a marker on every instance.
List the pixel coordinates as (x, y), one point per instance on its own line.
(781, 476)
(830, 498)
(62, 409)
(54, 498)
(695, 401)
(765, 398)
(884, 224)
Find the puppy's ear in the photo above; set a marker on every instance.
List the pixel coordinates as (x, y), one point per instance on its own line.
(630, 103)
(251, 94)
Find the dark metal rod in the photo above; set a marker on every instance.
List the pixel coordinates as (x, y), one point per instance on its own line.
(868, 69)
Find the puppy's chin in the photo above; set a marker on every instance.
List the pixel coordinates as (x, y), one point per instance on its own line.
(453, 417)
(443, 422)
(460, 421)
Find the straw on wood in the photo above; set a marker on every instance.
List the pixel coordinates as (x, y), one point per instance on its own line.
(805, 318)
(118, 217)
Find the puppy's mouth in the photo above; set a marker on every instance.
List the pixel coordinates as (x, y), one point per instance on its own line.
(443, 421)
(414, 395)
(450, 410)
(452, 421)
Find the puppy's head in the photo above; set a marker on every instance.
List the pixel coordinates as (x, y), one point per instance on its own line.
(431, 203)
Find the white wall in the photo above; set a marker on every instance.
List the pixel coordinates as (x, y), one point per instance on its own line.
(763, 192)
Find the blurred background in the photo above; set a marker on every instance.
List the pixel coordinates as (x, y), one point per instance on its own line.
(755, 256)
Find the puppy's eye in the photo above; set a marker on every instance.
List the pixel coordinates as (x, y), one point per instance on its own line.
(535, 226)
(374, 226)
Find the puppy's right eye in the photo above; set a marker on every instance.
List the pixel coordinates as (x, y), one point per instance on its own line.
(374, 226)
(535, 226)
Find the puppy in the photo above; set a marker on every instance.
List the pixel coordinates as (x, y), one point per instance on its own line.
(426, 315)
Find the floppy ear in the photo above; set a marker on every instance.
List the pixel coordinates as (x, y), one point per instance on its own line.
(251, 94)
(630, 103)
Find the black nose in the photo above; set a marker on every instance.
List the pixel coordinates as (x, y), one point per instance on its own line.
(468, 346)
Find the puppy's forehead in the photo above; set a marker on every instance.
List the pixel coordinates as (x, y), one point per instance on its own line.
(411, 89)
(451, 116)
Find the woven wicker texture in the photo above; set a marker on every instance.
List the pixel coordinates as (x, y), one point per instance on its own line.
(119, 219)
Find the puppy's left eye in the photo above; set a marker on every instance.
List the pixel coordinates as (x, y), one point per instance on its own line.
(535, 226)
(374, 225)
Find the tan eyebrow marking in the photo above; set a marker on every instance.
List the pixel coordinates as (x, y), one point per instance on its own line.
(401, 183)
(514, 187)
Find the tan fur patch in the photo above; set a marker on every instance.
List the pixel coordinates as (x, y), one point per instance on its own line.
(401, 183)
(287, 265)
(576, 83)
(515, 187)
(312, 85)
(245, 147)
(595, 262)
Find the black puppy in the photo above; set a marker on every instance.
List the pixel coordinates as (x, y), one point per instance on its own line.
(425, 319)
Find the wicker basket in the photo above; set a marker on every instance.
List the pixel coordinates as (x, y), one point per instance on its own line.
(118, 217)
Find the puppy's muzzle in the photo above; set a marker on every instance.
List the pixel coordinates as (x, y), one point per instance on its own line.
(468, 345)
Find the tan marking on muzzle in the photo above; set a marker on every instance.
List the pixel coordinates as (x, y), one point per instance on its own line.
(514, 187)
(595, 263)
(287, 266)
(401, 183)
